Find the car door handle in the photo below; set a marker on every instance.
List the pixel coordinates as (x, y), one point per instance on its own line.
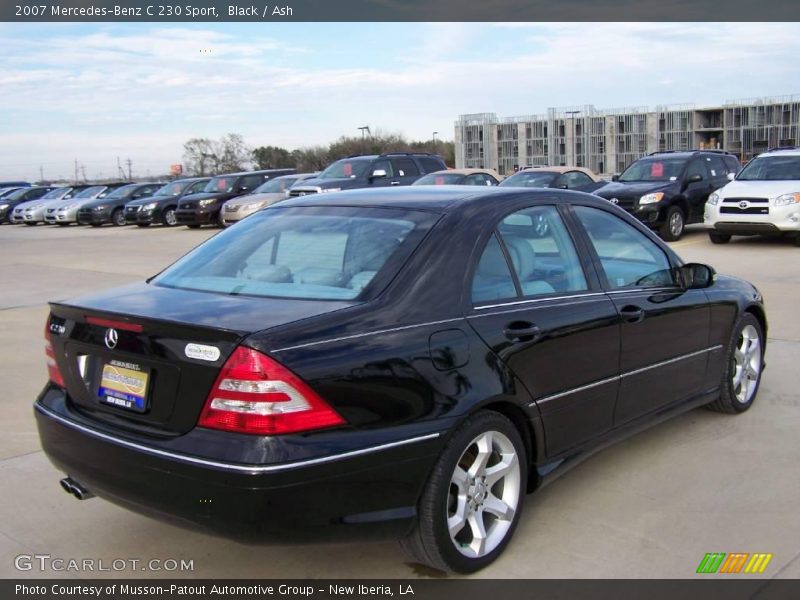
(395, 183)
(522, 331)
(631, 314)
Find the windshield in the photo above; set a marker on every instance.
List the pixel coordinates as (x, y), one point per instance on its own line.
(440, 179)
(532, 179)
(54, 194)
(123, 192)
(347, 167)
(329, 253)
(90, 192)
(771, 168)
(18, 194)
(172, 189)
(223, 184)
(275, 186)
(654, 169)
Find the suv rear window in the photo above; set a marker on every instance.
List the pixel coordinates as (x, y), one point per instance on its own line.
(319, 253)
(430, 164)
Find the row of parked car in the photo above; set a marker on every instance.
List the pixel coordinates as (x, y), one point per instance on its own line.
(665, 190)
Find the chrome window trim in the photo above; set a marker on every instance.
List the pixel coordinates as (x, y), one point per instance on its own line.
(248, 469)
(358, 335)
(535, 300)
(624, 375)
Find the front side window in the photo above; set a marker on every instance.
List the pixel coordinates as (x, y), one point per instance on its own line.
(542, 252)
(629, 259)
(315, 253)
(405, 167)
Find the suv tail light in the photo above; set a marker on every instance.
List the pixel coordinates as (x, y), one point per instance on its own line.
(52, 366)
(255, 394)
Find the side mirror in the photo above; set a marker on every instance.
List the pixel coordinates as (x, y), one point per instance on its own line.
(615, 177)
(731, 176)
(694, 178)
(695, 276)
(378, 173)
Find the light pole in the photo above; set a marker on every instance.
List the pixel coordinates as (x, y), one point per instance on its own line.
(435, 133)
(364, 130)
(572, 114)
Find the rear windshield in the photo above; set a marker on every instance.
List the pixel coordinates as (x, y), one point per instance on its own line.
(654, 169)
(319, 253)
(771, 168)
(533, 179)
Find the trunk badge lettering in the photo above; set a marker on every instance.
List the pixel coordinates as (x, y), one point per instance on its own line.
(112, 337)
(201, 352)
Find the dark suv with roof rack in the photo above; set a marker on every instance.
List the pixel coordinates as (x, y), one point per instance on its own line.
(381, 170)
(205, 208)
(668, 190)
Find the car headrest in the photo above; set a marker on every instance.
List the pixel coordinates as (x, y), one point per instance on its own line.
(522, 255)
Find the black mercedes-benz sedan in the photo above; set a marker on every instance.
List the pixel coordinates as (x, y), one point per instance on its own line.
(389, 362)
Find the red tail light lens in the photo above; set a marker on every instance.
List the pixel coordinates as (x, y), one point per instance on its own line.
(52, 366)
(255, 394)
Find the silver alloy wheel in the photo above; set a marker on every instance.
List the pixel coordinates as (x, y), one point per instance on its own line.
(169, 218)
(484, 494)
(746, 364)
(676, 223)
(118, 218)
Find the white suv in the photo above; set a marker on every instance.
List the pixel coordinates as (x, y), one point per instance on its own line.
(764, 198)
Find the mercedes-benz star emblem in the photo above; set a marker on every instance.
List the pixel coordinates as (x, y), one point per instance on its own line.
(614, 201)
(112, 337)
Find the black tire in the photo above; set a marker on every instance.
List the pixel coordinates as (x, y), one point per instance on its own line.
(118, 218)
(95, 224)
(168, 217)
(430, 541)
(719, 238)
(143, 224)
(193, 226)
(674, 224)
(732, 400)
(63, 224)
(30, 224)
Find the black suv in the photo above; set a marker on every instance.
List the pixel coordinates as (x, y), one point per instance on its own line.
(667, 190)
(205, 208)
(394, 168)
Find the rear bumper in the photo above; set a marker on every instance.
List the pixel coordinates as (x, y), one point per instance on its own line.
(368, 493)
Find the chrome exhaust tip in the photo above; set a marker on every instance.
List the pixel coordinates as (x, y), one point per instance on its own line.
(69, 485)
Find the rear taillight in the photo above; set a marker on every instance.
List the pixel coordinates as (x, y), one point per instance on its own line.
(52, 366)
(255, 394)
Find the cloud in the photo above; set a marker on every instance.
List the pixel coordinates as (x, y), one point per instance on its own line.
(141, 90)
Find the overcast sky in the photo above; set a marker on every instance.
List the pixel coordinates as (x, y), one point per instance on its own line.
(94, 92)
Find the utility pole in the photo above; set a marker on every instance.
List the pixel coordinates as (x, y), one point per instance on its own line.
(120, 172)
(76, 171)
(130, 175)
(83, 171)
(41, 174)
(435, 133)
(364, 130)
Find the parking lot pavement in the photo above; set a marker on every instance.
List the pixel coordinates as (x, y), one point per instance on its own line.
(651, 506)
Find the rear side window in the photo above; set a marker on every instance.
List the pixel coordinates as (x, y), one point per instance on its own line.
(329, 253)
(492, 279)
(405, 167)
(430, 164)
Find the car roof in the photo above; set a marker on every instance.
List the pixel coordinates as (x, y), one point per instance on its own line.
(491, 172)
(560, 169)
(434, 198)
(782, 152)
